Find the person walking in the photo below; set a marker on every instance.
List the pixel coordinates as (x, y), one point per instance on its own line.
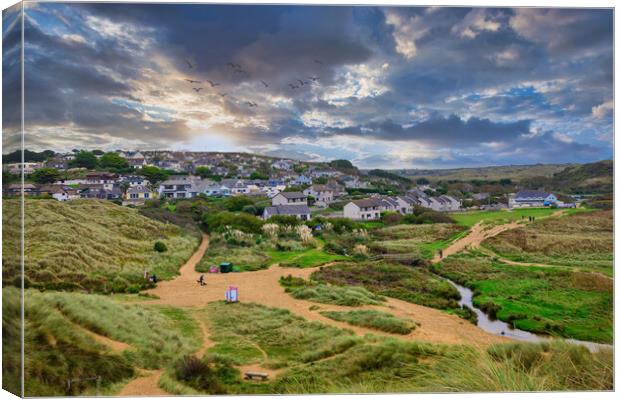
(201, 279)
(441, 254)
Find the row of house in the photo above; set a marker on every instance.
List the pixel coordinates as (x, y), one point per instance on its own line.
(371, 208)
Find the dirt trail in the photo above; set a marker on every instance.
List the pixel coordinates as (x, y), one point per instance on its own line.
(145, 385)
(476, 236)
(263, 287)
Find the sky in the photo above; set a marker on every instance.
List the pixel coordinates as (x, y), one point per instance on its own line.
(385, 87)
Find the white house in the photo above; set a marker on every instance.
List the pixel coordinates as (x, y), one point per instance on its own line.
(300, 211)
(531, 198)
(323, 194)
(289, 198)
(364, 209)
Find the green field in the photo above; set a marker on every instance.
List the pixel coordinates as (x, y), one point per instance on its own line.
(92, 245)
(542, 300)
(583, 241)
(421, 240)
(469, 219)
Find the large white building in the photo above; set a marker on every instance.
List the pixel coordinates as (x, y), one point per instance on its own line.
(531, 198)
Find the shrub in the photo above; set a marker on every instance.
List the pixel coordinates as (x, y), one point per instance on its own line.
(198, 374)
(160, 246)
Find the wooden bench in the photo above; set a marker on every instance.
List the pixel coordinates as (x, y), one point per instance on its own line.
(249, 375)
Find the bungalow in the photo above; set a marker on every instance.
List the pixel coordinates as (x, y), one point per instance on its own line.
(300, 211)
(136, 195)
(236, 186)
(59, 193)
(531, 198)
(364, 209)
(57, 163)
(16, 189)
(26, 167)
(295, 198)
(99, 192)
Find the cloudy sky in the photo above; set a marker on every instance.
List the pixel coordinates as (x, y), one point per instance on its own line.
(381, 86)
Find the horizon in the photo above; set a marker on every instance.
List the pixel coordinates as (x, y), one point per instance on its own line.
(384, 87)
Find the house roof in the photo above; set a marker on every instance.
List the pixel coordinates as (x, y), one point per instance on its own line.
(368, 202)
(292, 194)
(137, 189)
(287, 210)
(531, 194)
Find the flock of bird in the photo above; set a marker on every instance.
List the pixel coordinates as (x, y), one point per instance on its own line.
(238, 69)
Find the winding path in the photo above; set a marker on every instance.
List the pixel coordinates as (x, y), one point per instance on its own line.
(263, 287)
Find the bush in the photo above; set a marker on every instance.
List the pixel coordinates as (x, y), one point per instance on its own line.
(198, 374)
(238, 221)
(160, 247)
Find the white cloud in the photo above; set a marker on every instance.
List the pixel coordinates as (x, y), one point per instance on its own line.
(406, 32)
(603, 110)
(475, 22)
(357, 81)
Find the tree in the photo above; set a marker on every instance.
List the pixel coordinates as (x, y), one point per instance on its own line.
(84, 159)
(203, 172)
(113, 162)
(45, 175)
(154, 174)
(258, 176)
(423, 181)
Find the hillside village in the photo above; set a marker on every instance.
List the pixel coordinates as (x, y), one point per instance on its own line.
(293, 187)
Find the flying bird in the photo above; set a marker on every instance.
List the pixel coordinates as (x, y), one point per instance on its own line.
(233, 65)
(189, 64)
(239, 71)
(197, 89)
(313, 78)
(318, 62)
(212, 83)
(251, 104)
(292, 86)
(193, 81)
(223, 94)
(302, 82)
(264, 83)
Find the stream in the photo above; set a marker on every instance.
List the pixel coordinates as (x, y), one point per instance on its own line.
(499, 327)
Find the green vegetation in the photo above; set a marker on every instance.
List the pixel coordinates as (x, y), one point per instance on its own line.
(583, 240)
(545, 300)
(45, 175)
(315, 358)
(381, 321)
(333, 294)
(590, 178)
(287, 245)
(91, 245)
(411, 284)
(59, 341)
(468, 219)
(420, 240)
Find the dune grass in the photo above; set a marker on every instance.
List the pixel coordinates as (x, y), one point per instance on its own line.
(374, 319)
(58, 345)
(92, 245)
(583, 240)
(332, 294)
(411, 284)
(545, 300)
(315, 358)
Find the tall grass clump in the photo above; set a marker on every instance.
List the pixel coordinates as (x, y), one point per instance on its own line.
(374, 319)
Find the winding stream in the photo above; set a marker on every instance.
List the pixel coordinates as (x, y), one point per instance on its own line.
(499, 327)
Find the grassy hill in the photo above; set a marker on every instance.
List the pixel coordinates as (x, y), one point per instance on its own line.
(597, 177)
(513, 172)
(91, 245)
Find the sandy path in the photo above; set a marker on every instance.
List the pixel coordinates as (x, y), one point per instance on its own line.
(263, 287)
(116, 346)
(476, 236)
(145, 385)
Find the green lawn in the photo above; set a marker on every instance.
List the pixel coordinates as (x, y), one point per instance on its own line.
(469, 219)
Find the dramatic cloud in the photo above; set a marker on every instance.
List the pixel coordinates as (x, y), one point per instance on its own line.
(382, 86)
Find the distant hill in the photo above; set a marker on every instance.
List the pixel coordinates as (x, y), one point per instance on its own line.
(589, 178)
(513, 172)
(89, 245)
